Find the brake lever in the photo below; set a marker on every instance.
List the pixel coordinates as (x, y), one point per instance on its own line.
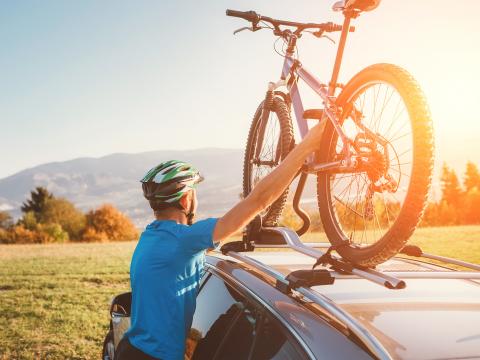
(251, 28)
(329, 38)
(321, 34)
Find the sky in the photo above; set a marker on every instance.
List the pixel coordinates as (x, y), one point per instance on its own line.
(91, 78)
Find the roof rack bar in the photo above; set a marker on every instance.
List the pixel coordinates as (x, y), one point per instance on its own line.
(258, 265)
(395, 274)
(465, 275)
(452, 261)
(293, 241)
(310, 244)
(371, 342)
(416, 251)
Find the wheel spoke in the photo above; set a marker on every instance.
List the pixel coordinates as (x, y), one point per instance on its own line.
(384, 112)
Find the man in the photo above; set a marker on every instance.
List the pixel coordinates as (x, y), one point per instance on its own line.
(168, 261)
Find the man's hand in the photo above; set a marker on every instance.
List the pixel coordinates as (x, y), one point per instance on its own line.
(270, 187)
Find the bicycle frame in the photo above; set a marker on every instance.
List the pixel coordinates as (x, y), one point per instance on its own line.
(293, 69)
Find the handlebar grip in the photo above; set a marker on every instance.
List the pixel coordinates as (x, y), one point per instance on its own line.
(247, 15)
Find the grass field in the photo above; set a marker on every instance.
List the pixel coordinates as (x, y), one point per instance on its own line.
(54, 298)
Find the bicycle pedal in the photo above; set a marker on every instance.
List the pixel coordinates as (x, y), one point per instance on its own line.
(313, 114)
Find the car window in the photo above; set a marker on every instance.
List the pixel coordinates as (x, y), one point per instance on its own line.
(203, 279)
(218, 306)
(272, 343)
(238, 341)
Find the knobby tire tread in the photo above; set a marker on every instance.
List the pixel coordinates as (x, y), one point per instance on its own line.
(287, 140)
(417, 195)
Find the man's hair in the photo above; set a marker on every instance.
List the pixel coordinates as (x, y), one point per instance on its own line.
(160, 206)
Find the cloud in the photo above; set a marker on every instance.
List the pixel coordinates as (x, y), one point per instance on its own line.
(5, 206)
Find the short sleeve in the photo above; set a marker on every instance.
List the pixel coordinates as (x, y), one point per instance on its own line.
(199, 236)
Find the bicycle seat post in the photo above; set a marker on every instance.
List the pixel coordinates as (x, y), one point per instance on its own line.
(341, 46)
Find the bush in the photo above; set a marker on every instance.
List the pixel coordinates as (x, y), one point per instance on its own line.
(53, 232)
(6, 220)
(28, 221)
(108, 223)
(62, 212)
(21, 235)
(41, 234)
(4, 236)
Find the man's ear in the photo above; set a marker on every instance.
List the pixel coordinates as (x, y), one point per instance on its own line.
(185, 200)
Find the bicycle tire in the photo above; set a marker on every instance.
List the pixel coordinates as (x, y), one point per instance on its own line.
(272, 214)
(415, 200)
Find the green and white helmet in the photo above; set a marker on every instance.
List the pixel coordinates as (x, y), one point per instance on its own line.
(169, 181)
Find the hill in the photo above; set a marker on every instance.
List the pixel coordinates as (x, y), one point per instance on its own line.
(89, 182)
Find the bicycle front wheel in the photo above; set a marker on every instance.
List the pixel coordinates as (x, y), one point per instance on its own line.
(269, 141)
(372, 211)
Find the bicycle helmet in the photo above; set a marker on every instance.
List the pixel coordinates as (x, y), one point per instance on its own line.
(166, 183)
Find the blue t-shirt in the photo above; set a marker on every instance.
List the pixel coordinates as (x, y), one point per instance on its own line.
(164, 274)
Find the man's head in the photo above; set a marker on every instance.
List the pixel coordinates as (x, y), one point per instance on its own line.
(170, 186)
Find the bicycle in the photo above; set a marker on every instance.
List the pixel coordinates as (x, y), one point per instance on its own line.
(373, 175)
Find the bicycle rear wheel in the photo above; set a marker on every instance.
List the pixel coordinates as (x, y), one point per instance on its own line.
(371, 213)
(269, 141)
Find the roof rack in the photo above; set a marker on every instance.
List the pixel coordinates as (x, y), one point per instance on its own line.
(416, 251)
(357, 329)
(292, 241)
(287, 238)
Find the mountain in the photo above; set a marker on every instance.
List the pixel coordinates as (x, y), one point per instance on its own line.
(90, 182)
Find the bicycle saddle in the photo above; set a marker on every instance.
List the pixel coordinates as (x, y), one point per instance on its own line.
(361, 5)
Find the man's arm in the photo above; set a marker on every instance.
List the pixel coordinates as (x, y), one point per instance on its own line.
(269, 188)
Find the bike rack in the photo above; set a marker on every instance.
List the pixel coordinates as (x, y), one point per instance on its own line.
(370, 341)
(292, 241)
(339, 269)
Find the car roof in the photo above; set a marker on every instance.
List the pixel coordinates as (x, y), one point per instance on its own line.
(432, 318)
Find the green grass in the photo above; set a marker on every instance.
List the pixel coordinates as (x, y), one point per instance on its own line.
(462, 242)
(54, 299)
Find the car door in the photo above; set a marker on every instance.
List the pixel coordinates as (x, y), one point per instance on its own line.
(219, 305)
(255, 335)
(229, 325)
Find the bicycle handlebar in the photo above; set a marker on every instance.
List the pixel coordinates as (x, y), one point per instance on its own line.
(251, 16)
(254, 18)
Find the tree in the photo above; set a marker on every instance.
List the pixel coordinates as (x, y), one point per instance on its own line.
(6, 220)
(53, 233)
(37, 201)
(62, 212)
(108, 223)
(451, 191)
(431, 215)
(472, 177)
(4, 236)
(472, 206)
(29, 221)
(447, 214)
